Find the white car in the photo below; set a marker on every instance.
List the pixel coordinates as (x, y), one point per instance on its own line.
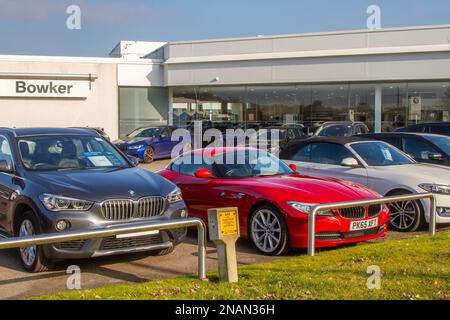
(382, 168)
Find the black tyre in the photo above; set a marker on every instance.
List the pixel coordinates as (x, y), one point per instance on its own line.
(268, 231)
(406, 216)
(32, 258)
(149, 155)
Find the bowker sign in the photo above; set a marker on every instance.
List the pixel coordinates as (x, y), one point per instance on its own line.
(44, 88)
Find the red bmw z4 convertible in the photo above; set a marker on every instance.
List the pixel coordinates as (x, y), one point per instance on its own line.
(273, 199)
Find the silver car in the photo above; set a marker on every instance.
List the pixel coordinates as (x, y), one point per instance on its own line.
(381, 167)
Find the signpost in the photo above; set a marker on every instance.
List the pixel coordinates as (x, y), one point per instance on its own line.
(224, 231)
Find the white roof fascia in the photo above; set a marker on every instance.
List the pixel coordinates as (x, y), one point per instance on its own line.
(24, 58)
(315, 34)
(312, 54)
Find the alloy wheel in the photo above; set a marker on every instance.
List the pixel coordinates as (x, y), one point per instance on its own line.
(266, 230)
(149, 155)
(27, 254)
(403, 214)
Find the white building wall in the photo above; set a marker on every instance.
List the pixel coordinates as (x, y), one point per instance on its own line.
(140, 74)
(378, 55)
(100, 109)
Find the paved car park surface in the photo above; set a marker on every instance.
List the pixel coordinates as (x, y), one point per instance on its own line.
(131, 268)
(98, 272)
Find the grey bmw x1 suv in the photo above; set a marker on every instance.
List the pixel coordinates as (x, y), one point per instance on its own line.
(55, 180)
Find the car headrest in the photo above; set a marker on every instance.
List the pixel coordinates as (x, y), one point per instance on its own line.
(69, 148)
(24, 149)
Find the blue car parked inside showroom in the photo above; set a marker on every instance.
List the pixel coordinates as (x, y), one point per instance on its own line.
(148, 143)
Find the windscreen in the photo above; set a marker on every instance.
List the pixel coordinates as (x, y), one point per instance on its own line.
(68, 152)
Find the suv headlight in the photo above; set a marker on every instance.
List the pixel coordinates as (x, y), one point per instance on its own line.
(136, 147)
(435, 188)
(59, 203)
(175, 196)
(308, 207)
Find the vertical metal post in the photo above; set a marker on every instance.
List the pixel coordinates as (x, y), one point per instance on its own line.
(432, 215)
(378, 108)
(201, 238)
(312, 232)
(170, 115)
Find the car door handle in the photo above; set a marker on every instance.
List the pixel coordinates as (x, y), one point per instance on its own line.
(232, 195)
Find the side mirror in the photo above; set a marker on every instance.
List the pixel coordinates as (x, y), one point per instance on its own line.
(203, 174)
(6, 166)
(293, 167)
(134, 161)
(435, 156)
(350, 162)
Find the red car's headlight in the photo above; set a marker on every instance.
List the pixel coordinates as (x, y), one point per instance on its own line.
(307, 208)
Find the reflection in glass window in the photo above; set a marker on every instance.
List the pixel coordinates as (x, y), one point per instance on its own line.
(428, 102)
(216, 105)
(336, 131)
(189, 169)
(295, 133)
(303, 154)
(380, 154)
(222, 104)
(394, 106)
(362, 104)
(5, 150)
(260, 106)
(68, 152)
(324, 153)
(442, 142)
(417, 149)
(329, 153)
(142, 107)
(438, 129)
(273, 105)
(145, 133)
(330, 103)
(245, 164)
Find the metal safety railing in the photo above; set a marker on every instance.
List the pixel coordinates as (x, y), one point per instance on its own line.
(201, 228)
(339, 205)
(118, 230)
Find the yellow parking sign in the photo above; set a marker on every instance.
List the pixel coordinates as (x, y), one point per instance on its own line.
(228, 221)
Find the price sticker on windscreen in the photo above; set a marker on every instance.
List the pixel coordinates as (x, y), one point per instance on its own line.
(228, 223)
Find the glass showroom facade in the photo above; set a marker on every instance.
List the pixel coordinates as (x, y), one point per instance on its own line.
(382, 106)
(142, 107)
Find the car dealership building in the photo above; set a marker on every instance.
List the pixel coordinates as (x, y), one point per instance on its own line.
(387, 78)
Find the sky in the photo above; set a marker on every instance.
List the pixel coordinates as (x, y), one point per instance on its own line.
(38, 27)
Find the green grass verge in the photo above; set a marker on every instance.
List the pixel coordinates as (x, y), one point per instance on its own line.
(417, 268)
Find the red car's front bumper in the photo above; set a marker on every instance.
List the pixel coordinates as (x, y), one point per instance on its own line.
(332, 231)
